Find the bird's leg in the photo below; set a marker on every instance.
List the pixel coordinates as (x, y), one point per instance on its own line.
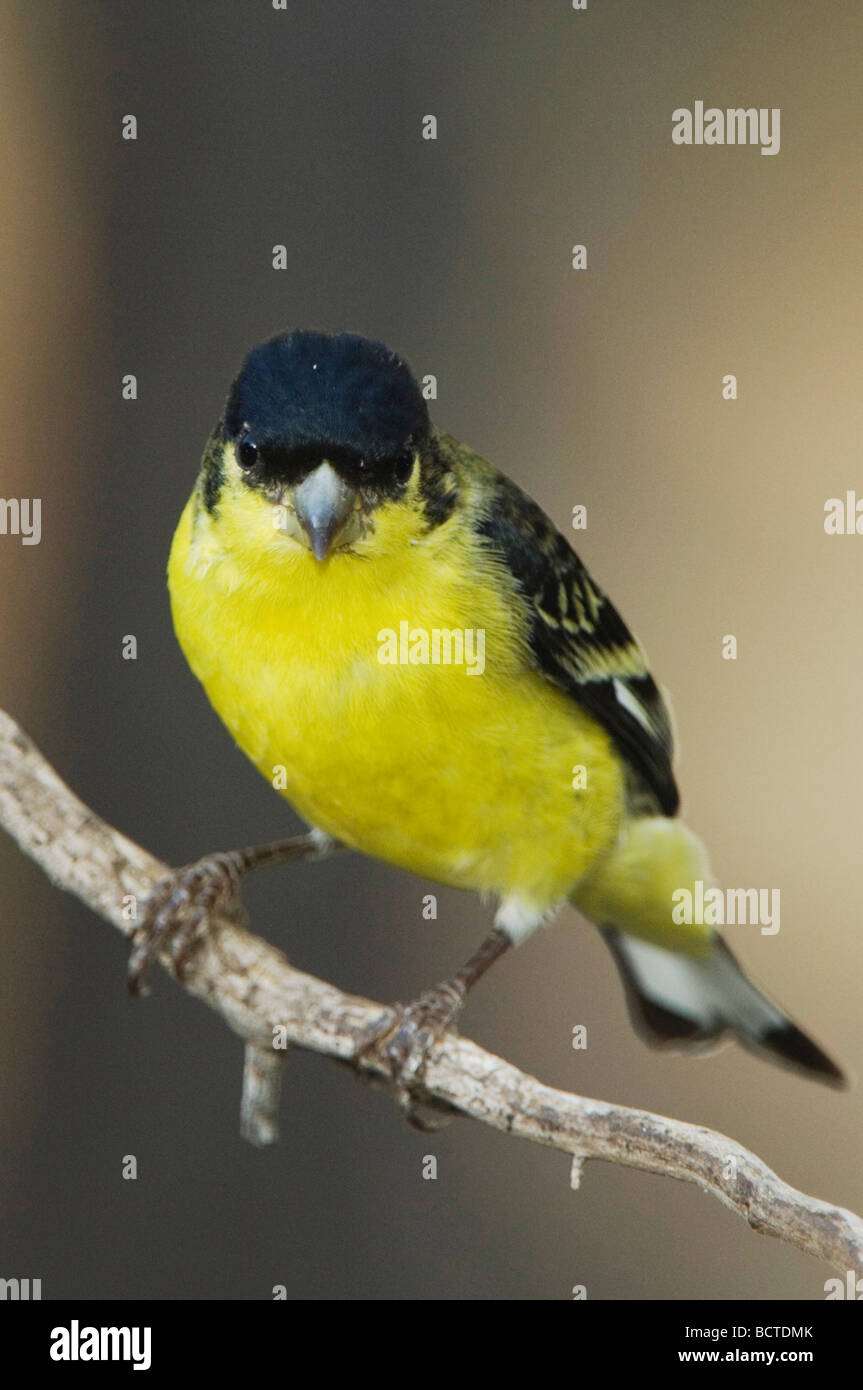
(177, 908)
(407, 1032)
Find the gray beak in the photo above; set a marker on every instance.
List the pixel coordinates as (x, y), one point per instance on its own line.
(324, 505)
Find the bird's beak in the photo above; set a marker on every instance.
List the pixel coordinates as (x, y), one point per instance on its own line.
(324, 505)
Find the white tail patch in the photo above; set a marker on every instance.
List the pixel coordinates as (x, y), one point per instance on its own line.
(713, 992)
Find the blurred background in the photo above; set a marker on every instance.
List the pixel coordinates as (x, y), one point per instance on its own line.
(601, 387)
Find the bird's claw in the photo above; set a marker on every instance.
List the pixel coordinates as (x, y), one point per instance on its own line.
(176, 912)
(403, 1039)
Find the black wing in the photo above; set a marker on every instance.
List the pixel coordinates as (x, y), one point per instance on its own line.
(578, 639)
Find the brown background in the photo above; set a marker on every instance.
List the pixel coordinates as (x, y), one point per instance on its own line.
(705, 518)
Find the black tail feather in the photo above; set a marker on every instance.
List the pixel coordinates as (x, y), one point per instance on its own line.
(695, 1005)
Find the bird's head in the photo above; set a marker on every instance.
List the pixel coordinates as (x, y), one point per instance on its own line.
(326, 440)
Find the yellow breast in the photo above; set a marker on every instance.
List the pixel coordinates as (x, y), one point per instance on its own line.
(464, 778)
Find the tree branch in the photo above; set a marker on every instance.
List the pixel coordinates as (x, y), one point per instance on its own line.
(255, 989)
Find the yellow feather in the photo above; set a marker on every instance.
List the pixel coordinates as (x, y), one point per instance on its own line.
(466, 779)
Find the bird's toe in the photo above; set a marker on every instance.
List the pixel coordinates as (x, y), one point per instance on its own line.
(176, 911)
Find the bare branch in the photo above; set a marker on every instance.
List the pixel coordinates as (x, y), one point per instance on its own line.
(262, 1087)
(256, 990)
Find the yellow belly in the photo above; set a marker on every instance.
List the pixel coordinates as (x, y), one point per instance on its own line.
(467, 779)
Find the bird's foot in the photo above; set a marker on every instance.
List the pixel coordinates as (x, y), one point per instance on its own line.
(175, 913)
(403, 1039)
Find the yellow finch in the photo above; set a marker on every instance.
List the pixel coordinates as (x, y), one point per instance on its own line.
(403, 643)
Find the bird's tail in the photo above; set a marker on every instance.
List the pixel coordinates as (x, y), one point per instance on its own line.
(678, 1001)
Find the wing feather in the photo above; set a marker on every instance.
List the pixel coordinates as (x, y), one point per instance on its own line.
(578, 639)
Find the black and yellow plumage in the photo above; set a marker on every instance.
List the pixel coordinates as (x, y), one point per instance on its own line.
(578, 639)
(328, 510)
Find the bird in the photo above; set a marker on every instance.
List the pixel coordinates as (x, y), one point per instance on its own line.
(332, 532)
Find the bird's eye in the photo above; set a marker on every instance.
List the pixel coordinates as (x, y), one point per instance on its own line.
(247, 452)
(403, 468)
